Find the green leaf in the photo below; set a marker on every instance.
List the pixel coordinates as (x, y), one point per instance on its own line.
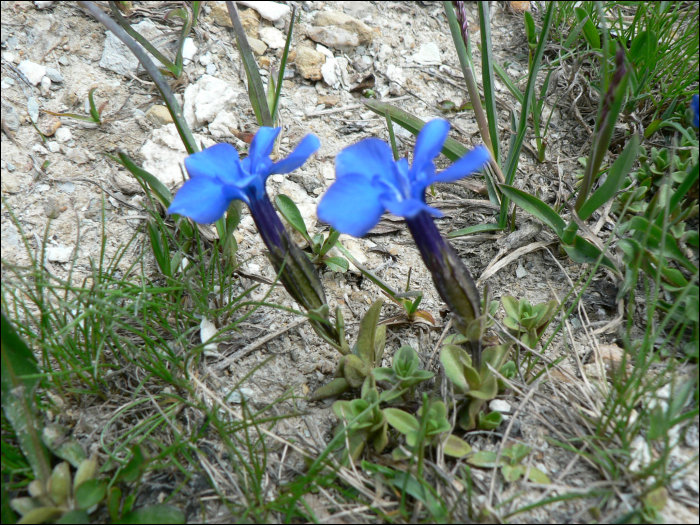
(41, 515)
(384, 374)
(18, 398)
(614, 181)
(114, 499)
(256, 91)
(653, 238)
(487, 66)
(93, 109)
(454, 359)
(336, 387)
(530, 30)
(511, 306)
(90, 493)
(135, 467)
(330, 241)
(400, 420)
(160, 247)
(536, 207)
(537, 476)
(283, 65)
(337, 264)
(512, 473)
(75, 516)
(487, 390)
(455, 447)
(589, 29)
(292, 214)
(490, 421)
(421, 492)
(483, 459)
(159, 190)
(155, 514)
(61, 443)
(514, 90)
(583, 252)
(367, 333)
(452, 149)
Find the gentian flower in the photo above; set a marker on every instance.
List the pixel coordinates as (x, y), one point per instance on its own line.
(369, 181)
(218, 176)
(695, 105)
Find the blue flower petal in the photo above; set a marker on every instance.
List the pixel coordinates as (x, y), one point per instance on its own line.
(409, 208)
(351, 205)
(472, 162)
(307, 147)
(428, 145)
(695, 104)
(203, 199)
(219, 160)
(369, 157)
(262, 144)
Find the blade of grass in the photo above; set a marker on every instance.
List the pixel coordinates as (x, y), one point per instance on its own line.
(283, 65)
(514, 153)
(487, 79)
(256, 92)
(165, 90)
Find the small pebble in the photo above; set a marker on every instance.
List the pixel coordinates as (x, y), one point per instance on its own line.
(45, 85)
(54, 74)
(53, 146)
(63, 61)
(63, 134)
(33, 109)
(10, 167)
(211, 69)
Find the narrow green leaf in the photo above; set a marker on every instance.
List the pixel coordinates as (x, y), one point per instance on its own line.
(514, 90)
(487, 66)
(18, 398)
(367, 333)
(283, 65)
(292, 214)
(452, 149)
(614, 181)
(93, 109)
(337, 264)
(536, 207)
(655, 234)
(583, 252)
(256, 92)
(392, 138)
(589, 29)
(333, 236)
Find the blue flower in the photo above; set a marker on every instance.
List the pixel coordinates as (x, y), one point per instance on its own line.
(218, 176)
(369, 181)
(695, 105)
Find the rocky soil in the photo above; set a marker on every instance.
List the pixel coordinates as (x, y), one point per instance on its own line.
(53, 54)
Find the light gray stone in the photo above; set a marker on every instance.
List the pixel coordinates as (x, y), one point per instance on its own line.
(54, 74)
(117, 57)
(11, 118)
(333, 36)
(271, 11)
(222, 125)
(63, 135)
(33, 109)
(395, 74)
(258, 46)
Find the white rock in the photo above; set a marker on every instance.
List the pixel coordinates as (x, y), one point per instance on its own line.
(211, 70)
(271, 11)
(189, 49)
(272, 37)
(385, 52)
(33, 71)
(59, 254)
(45, 85)
(207, 330)
(163, 152)
(53, 146)
(207, 98)
(501, 406)
(205, 60)
(331, 72)
(640, 454)
(63, 135)
(428, 55)
(33, 109)
(221, 127)
(323, 49)
(395, 74)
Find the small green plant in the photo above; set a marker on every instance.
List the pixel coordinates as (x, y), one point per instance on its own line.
(62, 498)
(369, 423)
(430, 428)
(510, 464)
(473, 388)
(403, 375)
(95, 112)
(357, 363)
(527, 322)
